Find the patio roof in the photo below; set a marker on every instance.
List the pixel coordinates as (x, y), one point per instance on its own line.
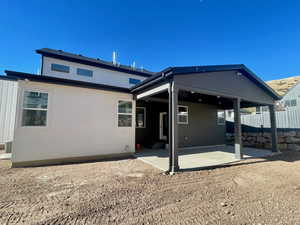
(174, 71)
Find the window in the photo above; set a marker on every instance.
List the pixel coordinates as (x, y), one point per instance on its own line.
(84, 72)
(182, 114)
(140, 117)
(287, 103)
(35, 107)
(221, 117)
(134, 81)
(293, 102)
(124, 114)
(60, 68)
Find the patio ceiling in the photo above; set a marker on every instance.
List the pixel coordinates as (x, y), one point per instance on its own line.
(188, 96)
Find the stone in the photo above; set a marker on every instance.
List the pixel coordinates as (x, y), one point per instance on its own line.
(281, 139)
(293, 147)
(283, 146)
(293, 140)
(290, 133)
(268, 145)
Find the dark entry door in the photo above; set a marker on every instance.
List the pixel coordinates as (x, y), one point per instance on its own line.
(163, 126)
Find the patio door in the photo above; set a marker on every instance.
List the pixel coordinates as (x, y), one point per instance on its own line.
(163, 126)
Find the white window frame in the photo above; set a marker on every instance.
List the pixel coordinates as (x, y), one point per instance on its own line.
(218, 122)
(144, 108)
(36, 109)
(187, 116)
(129, 114)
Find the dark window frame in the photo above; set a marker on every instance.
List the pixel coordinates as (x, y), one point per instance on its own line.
(60, 68)
(81, 71)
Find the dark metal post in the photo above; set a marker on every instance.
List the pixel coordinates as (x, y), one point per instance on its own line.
(273, 128)
(237, 129)
(173, 129)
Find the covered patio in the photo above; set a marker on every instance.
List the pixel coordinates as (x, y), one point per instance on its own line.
(223, 87)
(199, 158)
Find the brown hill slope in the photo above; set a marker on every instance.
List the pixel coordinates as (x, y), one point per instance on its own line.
(281, 86)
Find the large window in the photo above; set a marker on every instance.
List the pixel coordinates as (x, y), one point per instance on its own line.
(183, 114)
(60, 68)
(221, 117)
(84, 72)
(35, 107)
(124, 114)
(140, 117)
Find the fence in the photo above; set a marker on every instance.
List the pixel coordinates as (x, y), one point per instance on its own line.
(284, 119)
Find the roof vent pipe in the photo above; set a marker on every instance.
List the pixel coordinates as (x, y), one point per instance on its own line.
(114, 58)
(133, 65)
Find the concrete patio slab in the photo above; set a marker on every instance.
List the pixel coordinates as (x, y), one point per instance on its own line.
(198, 157)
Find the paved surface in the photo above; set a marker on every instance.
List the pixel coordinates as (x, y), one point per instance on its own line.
(198, 157)
(130, 192)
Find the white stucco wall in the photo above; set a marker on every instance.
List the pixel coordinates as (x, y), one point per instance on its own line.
(81, 122)
(100, 76)
(8, 101)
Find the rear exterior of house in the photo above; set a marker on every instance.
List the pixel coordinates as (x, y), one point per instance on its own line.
(82, 109)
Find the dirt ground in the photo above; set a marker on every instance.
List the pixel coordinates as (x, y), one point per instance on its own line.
(264, 191)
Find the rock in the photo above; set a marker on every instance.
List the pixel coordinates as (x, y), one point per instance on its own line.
(293, 147)
(223, 204)
(290, 134)
(283, 146)
(281, 139)
(293, 140)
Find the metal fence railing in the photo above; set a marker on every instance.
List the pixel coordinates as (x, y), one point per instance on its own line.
(284, 119)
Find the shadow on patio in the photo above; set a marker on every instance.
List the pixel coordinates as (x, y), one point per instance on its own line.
(199, 158)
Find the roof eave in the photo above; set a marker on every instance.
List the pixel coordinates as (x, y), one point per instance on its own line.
(61, 81)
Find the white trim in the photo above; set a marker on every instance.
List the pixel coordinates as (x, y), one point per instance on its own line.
(153, 91)
(35, 109)
(129, 114)
(144, 108)
(187, 116)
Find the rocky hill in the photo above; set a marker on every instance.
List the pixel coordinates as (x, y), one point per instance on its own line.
(281, 86)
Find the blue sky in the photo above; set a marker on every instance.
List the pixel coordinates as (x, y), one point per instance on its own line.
(263, 35)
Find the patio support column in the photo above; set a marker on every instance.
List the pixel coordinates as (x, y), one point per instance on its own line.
(237, 129)
(273, 128)
(173, 129)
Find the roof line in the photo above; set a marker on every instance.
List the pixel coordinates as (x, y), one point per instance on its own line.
(59, 54)
(202, 69)
(61, 81)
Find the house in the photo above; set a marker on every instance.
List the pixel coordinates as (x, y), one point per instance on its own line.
(82, 109)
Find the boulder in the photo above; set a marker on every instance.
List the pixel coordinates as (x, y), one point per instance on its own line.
(283, 146)
(291, 134)
(293, 147)
(293, 140)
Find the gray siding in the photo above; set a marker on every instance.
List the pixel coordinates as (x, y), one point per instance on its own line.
(202, 129)
(227, 83)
